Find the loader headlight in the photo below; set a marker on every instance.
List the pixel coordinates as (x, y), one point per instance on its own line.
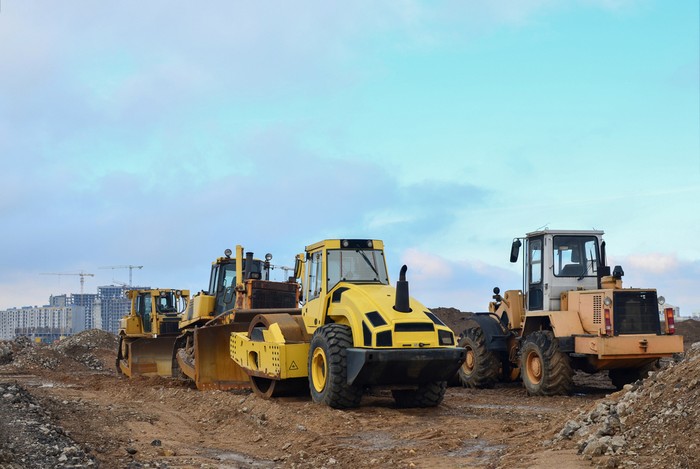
(662, 300)
(607, 301)
(228, 253)
(345, 243)
(268, 257)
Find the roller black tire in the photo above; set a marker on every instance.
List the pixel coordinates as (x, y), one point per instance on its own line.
(333, 340)
(622, 376)
(426, 395)
(544, 369)
(481, 367)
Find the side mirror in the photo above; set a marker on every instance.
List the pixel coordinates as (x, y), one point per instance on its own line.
(298, 266)
(515, 250)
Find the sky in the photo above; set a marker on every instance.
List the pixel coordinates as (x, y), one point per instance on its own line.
(161, 133)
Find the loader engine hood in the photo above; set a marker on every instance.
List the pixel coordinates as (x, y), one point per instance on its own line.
(369, 309)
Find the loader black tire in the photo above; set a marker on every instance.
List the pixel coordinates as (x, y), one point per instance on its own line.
(622, 376)
(545, 370)
(426, 395)
(481, 367)
(327, 364)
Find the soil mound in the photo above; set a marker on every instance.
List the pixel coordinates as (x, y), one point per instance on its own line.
(653, 423)
(453, 318)
(690, 330)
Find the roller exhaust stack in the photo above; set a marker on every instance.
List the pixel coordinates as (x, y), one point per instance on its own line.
(401, 304)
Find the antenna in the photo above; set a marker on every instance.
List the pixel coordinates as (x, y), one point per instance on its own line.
(130, 267)
(81, 274)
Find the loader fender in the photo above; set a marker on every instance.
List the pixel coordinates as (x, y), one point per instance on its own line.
(495, 337)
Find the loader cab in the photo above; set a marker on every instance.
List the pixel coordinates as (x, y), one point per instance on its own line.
(557, 262)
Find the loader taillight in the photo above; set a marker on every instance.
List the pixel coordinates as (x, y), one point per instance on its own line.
(608, 322)
(670, 321)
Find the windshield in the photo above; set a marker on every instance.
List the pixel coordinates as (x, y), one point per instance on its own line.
(575, 256)
(357, 266)
(166, 302)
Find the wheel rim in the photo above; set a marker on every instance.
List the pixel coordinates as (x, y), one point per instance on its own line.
(319, 369)
(468, 366)
(534, 368)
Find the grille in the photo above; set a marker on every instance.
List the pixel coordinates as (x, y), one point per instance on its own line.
(264, 296)
(168, 327)
(597, 309)
(636, 312)
(414, 327)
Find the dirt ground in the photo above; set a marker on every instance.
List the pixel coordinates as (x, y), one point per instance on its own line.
(65, 403)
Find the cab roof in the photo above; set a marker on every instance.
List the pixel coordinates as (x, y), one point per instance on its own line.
(565, 232)
(340, 243)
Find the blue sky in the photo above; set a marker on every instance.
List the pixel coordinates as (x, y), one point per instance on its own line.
(160, 133)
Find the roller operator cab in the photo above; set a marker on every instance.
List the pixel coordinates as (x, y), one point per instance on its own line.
(355, 331)
(147, 333)
(572, 313)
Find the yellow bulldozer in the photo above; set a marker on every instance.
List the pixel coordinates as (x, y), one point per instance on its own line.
(148, 332)
(355, 331)
(239, 289)
(572, 314)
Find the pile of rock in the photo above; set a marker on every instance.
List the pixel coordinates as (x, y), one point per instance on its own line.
(82, 347)
(29, 439)
(655, 421)
(95, 349)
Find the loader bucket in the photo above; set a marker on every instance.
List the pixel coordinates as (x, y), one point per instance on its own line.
(214, 368)
(148, 356)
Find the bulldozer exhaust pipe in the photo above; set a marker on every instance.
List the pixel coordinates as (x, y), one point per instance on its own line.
(402, 304)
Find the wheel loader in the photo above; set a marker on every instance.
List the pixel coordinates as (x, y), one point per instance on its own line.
(239, 289)
(572, 314)
(355, 331)
(147, 334)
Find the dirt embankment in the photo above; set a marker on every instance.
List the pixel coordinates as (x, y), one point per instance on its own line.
(67, 403)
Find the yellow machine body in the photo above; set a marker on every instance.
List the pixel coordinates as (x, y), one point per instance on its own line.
(236, 294)
(394, 339)
(147, 334)
(572, 314)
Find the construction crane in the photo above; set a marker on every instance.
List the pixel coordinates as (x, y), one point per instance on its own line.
(130, 267)
(81, 274)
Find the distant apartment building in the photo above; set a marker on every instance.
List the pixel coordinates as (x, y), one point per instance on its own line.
(112, 305)
(47, 323)
(87, 301)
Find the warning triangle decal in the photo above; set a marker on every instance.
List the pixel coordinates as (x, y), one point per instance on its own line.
(293, 366)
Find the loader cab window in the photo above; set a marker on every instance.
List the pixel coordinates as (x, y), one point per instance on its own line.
(143, 309)
(575, 256)
(535, 292)
(357, 266)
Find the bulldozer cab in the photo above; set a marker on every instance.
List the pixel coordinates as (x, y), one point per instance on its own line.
(225, 276)
(157, 311)
(557, 262)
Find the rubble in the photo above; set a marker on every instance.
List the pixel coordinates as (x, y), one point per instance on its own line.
(654, 421)
(87, 348)
(28, 438)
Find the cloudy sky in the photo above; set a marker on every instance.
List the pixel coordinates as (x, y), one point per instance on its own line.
(160, 133)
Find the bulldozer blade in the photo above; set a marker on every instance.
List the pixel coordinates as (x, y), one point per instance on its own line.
(214, 368)
(148, 357)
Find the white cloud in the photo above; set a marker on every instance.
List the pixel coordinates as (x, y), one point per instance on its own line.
(656, 263)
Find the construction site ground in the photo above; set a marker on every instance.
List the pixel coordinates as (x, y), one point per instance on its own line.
(63, 405)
